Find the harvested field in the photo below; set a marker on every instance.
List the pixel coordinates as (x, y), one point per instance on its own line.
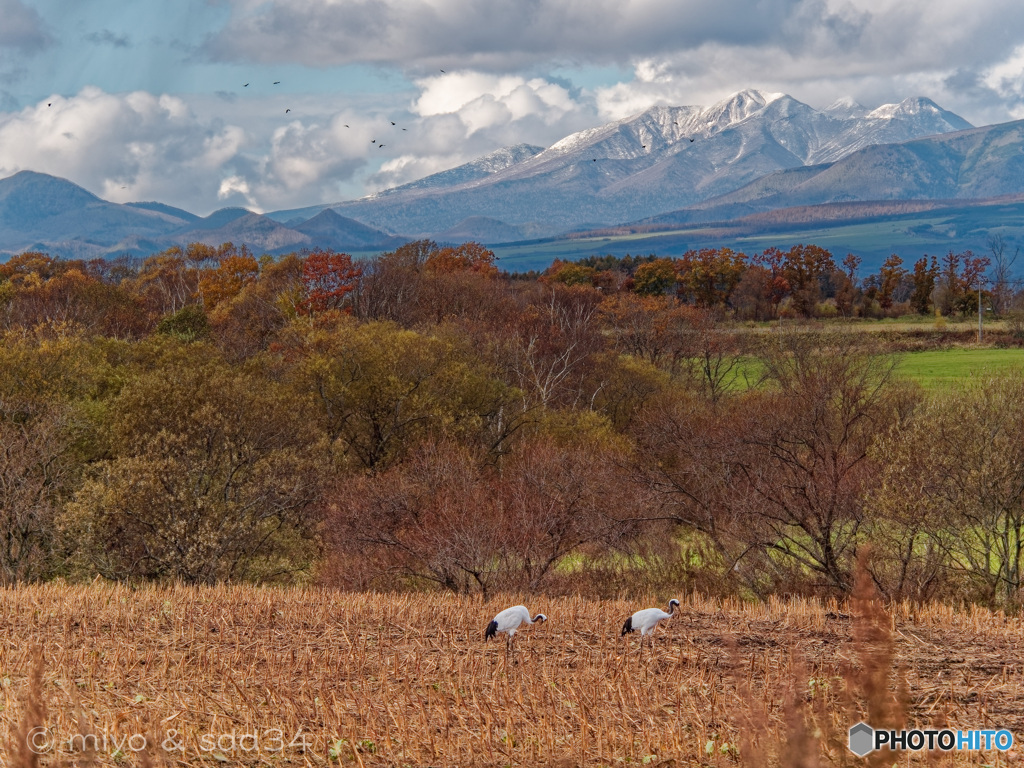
(259, 676)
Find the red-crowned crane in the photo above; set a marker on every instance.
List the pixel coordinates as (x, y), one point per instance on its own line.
(509, 621)
(647, 620)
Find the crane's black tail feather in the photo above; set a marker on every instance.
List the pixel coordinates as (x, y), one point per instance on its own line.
(492, 630)
(628, 626)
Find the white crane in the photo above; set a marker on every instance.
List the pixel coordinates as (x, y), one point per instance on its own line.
(509, 621)
(647, 620)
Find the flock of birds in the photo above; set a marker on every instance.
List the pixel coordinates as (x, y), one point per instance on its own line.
(381, 145)
(645, 621)
(278, 82)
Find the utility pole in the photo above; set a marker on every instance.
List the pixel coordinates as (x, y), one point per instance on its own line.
(979, 310)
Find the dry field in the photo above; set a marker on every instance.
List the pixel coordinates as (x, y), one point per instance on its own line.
(251, 676)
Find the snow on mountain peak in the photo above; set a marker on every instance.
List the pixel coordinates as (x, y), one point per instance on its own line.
(846, 106)
(737, 108)
(912, 106)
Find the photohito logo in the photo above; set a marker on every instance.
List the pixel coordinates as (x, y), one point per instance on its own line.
(864, 740)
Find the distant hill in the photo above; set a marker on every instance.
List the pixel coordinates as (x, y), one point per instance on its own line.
(47, 213)
(329, 229)
(37, 209)
(170, 210)
(259, 233)
(482, 229)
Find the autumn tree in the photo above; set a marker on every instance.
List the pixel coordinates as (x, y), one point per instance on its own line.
(546, 353)
(803, 449)
(390, 284)
(431, 519)
(1002, 261)
(774, 282)
(380, 389)
(924, 277)
(445, 517)
(569, 273)
(166, 282)
(804, 268)
(654, 278)
(652, 328)
(468, 257)
(208, 475)
(682, 464)
(951, 287)
(234, 269)
(327, 279)
(709, 276)
(37, 473)
(757, 294)
(972, 278)
(890, 276)
(954, 482)
(776, 478)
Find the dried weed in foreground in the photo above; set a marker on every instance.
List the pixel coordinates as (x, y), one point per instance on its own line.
(249, 676)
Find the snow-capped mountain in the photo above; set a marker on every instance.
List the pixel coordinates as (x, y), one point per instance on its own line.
(660, 160)
(752, 152)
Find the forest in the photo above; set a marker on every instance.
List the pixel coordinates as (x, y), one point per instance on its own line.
(422, 420)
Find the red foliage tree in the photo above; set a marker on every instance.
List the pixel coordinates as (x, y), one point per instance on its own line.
(327, 278)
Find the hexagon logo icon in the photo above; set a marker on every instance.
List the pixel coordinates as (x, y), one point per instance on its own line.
(862, 739)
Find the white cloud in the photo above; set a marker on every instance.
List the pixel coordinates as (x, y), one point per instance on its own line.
(1006, 78)
(125, 147)
(482, 101)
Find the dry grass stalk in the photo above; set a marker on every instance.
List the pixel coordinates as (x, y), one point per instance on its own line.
(254, 676)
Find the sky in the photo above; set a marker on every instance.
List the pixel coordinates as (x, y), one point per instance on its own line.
(278, 104)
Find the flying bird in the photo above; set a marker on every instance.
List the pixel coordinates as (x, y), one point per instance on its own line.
(392, 122)
(691, 141)
(442, 70)
(647, 620)
(509, 620)
(277, 82)
(246, 85)
(287, 111)
(380, 146)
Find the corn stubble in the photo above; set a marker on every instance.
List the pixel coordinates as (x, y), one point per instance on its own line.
(254, 676)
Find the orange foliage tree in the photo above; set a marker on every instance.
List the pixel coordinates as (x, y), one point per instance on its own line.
(327, 278)
(468, 257)
(236, 268)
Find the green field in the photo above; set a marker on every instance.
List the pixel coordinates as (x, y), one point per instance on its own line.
(935, 369)
(932, 369)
